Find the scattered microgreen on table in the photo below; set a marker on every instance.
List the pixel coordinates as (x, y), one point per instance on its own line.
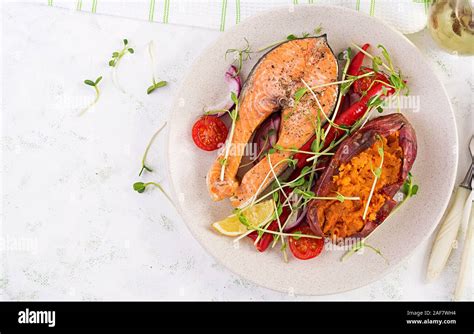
(115, 61)
(117, 55)
(140, 187)
(95, 85)
(144, 166)
(156, 84)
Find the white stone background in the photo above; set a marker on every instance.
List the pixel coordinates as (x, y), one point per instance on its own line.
(66, 181)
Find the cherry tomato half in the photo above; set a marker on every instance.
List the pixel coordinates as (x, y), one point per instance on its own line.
(362, 85)
(209, 132)
(305, 248)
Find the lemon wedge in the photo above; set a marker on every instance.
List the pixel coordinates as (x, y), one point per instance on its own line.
(256, 215)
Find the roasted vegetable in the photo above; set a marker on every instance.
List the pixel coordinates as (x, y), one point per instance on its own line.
(388, 141)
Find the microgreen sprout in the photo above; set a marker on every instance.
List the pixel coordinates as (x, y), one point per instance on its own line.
(252, 228)
(244, 54)
(310, 195)
(263, 183)
(377, 172)
(240, 55)
(292, 37)
(216, 112)
(395, 78)
(345, 84)
(283, 242)
(360, 244)
(115, 61)
(320, 109)
(117, 55)
(95, 85)
(409, 189)
(144, 166)
(155, 84)
(140, 187)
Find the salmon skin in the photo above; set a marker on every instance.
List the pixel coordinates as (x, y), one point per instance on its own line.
(270, 88)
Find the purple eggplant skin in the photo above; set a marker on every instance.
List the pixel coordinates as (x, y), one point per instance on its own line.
(356, 143)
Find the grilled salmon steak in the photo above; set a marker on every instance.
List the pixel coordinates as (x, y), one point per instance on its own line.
(270, 88)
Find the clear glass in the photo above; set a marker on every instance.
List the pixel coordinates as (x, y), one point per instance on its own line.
(451, 24)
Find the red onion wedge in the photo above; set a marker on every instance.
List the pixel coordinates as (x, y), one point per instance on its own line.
(234, 85)
(299, 217)
(295, 219)
(266, 135)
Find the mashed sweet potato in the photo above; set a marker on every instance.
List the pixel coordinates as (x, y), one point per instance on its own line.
(355, 179)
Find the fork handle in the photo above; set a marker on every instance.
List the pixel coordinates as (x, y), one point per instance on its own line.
(466, 260)
(446, 236)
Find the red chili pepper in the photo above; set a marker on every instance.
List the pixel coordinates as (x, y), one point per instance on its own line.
(361, 85)
(356, 62)
(353, 69)
(356, 111)
(347, 117)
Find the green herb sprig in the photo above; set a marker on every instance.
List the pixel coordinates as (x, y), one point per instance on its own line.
(240, 55)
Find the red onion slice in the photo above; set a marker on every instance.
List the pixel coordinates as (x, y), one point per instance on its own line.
(299, 217)
(295, 219)
(267, 135)
(234, 84)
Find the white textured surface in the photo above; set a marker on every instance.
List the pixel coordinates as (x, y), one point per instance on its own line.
(66, 181)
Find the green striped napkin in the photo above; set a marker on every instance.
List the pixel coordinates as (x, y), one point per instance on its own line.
(408, 16)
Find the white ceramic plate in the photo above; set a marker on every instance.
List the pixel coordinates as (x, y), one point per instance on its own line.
(434, 169)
